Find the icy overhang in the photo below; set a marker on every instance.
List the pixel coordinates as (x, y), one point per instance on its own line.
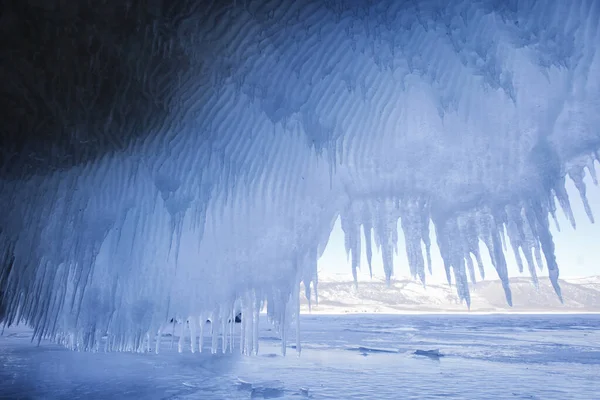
(203, 173)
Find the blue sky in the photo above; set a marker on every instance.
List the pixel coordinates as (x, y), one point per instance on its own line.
(577, 251)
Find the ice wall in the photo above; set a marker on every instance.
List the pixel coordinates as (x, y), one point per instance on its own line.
(278, 117)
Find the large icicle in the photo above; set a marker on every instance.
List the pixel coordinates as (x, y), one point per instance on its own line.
(411, 222)
(351, 230)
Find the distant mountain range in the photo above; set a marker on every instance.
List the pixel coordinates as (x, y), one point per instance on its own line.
(337, 295)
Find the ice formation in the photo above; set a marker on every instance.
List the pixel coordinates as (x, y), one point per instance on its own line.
(204, 176)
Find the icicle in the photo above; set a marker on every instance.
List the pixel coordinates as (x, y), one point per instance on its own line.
(214, 332)
(387, 222)
(471, 268)
(577, 175)
(158, 340)
(282, 326)
(352, 239)
(501, 268)
(310, 273)
(539, 219)
(502, 236)
(227, 318)
(368, 245)
(181, 341)
(532, 244)
(410, 222)
(491, 237)
(515, 247)
(173, 333)
(388, 261)
(466, 244)
(193, 338)
(457, 254)
(295, 308)
(249, 337)
(307, 294)
(443, 245)
(563, 200)
(316, 290)
(538, 257)
(552, 206)
(244, 332)
(298, 343)
(531, 267)
(592, 169)
(480, 264)
(201, 323)
(234, 313)
(515, 232)
(256, 322)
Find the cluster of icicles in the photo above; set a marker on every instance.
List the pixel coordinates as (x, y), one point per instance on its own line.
(523, 225)
(221, 326)
(380, 113)
(525, 228)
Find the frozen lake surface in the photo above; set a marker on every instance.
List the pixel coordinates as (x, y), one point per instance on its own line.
(343, 357)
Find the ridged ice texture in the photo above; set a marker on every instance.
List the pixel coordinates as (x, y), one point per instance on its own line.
(389, 114)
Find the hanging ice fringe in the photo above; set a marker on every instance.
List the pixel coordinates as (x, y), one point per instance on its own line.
(203, 175)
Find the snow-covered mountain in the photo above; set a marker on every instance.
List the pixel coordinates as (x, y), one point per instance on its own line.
(337, 295)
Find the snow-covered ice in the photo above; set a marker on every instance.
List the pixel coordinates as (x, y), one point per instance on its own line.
(343, 357)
